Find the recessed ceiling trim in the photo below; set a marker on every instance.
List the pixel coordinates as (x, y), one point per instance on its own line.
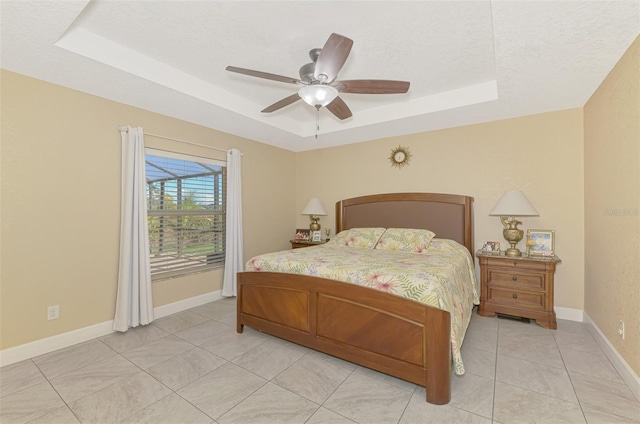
(546, 56)
(95, 47)
(451, 99)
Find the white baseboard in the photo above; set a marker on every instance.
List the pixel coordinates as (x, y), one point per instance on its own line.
(569, 314)
(623, 368)
(49, 344)
(181, 305)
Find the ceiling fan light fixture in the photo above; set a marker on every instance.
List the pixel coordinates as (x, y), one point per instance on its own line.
(318, 95)
(318, 80)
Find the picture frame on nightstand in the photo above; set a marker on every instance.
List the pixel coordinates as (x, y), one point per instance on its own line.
(303, 234)
(316, 236)
(491, 247)
(540, 242)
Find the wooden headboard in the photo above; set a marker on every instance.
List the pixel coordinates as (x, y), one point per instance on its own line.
(448, 215)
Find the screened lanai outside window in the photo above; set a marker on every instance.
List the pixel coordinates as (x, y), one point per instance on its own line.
(186, 213)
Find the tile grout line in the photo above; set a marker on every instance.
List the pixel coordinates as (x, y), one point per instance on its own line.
(571, 381)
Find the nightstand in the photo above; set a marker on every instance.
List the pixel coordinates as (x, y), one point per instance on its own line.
(297, 244)
(521, 287)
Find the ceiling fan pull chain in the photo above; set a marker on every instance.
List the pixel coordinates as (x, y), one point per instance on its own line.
(317, 121)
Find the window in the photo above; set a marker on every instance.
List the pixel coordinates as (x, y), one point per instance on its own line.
(186, 200)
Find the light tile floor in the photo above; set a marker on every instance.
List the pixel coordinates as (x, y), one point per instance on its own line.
(193, 367)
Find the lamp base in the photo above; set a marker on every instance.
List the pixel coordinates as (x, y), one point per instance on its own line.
(513, 253)
(315, 225)
(513, 235)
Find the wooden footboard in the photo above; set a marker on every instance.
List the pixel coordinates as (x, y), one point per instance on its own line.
(388, 333)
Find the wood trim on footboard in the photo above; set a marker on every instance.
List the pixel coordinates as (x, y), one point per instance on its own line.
(388, 333)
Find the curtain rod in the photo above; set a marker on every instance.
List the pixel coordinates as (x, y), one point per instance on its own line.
(178, 140)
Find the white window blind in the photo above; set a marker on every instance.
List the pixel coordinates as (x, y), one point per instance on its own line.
(186, 199)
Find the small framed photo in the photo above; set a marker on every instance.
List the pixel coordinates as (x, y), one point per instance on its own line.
(302, 234)
(316, 236)
(492, 247)
(540, 242)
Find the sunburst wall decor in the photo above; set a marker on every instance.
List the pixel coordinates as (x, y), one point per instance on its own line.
(400, 156)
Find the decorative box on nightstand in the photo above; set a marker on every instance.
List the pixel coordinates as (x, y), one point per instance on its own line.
(521, 287)
(297, 244)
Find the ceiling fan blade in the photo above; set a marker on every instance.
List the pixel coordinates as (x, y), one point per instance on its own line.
(372, 86)
(339, 108)
(332, 57)
(264, 75)
(281, 103)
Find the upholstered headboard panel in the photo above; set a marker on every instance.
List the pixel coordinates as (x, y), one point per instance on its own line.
(448, 215)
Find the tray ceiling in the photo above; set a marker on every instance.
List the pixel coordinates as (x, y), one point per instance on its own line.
(467, 61)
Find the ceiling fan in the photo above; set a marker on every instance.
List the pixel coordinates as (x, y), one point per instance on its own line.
(318, 78)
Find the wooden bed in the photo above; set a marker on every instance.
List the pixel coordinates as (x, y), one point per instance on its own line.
(388, 333)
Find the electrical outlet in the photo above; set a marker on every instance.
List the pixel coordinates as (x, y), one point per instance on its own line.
(53, 312)
(621, 329)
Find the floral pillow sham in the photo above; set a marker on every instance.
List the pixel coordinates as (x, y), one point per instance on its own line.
(359, 237)
(405, 239)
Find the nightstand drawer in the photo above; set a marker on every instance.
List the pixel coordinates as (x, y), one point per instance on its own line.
(515, 263)
(515, 298)
(528, 281)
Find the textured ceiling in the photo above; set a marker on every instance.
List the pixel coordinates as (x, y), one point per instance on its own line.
(467, 61)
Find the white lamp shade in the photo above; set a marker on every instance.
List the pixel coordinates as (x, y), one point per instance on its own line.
(514, 203)
(314, 207)
(318, 95)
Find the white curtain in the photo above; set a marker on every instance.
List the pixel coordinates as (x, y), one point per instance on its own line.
(233, 262)
(134, 304)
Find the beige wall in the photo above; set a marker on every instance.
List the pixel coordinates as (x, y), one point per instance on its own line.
(572, 167)
(612, 205)
(60, 162)
(542, 155)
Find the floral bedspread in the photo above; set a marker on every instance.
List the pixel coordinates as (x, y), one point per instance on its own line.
(443, 276)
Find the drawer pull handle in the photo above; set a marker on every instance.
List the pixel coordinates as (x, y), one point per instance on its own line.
(514, 278)
(515, 296)
(515, 263)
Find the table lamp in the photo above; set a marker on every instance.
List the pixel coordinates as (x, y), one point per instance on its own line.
(314, 209)
(513, 203)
